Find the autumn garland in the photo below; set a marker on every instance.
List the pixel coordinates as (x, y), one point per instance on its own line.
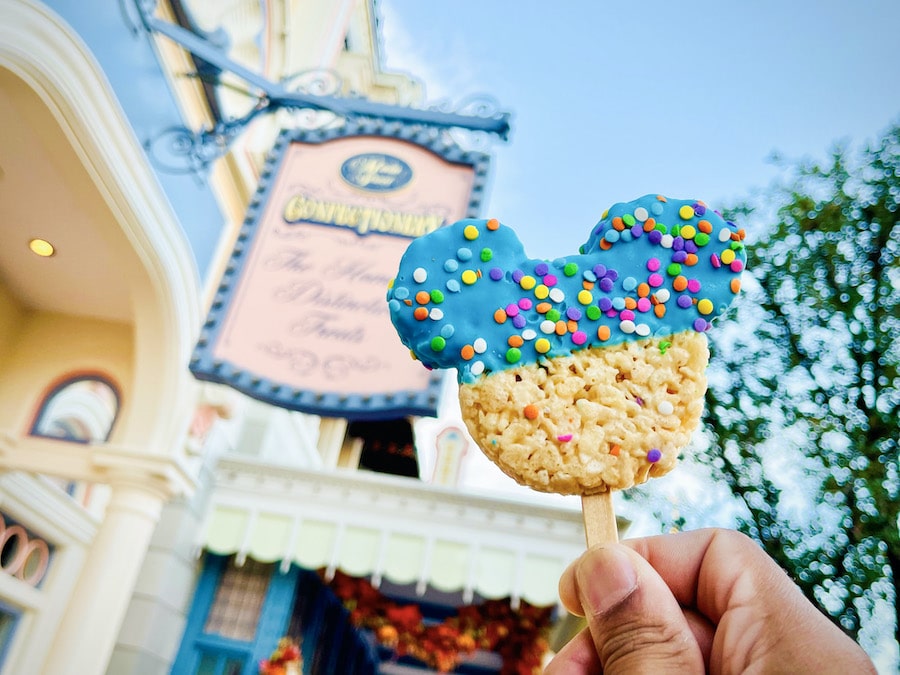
(519, 636)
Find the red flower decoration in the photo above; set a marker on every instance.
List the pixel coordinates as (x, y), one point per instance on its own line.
(517, 635)
(405, 619)
(286, 653)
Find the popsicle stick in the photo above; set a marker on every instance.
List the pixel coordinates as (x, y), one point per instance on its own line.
(599, 519)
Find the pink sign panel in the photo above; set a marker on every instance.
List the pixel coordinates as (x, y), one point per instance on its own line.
(306, 324)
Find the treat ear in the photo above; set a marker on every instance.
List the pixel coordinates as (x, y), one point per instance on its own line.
(449, 284)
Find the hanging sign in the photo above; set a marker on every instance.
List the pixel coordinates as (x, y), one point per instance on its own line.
(300, 319)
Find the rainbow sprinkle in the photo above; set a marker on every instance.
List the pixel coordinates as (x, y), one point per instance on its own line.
(466, 296)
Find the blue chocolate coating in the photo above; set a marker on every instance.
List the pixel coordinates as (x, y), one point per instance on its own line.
(466, 296)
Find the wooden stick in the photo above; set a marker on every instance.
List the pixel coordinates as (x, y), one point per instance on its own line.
(599, 519)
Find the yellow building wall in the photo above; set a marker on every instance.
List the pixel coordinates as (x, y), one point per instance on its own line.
(37, 350)
(10, 319)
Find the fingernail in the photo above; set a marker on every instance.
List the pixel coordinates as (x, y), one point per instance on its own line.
(605, 578)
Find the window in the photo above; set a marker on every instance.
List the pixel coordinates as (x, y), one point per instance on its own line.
(387, 447)
(80, 409)
(212, 664)
(238, 601)
(295, 603)
(9, 618)
(236, 618)
(23, 555)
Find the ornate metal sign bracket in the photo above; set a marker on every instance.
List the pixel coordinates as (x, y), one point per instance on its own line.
(182, 150)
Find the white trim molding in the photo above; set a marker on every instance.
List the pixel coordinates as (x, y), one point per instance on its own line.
(43, 51)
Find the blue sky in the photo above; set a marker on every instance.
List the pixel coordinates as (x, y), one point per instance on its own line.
(612, 100)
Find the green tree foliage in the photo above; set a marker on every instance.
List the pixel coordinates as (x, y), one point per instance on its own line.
(804, 395)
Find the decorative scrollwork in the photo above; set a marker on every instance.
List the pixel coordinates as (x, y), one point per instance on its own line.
(180, 150)
(314, 99)
(470, 140)
(479, 106)
(475, 106)
(309, 119)
(316, 81)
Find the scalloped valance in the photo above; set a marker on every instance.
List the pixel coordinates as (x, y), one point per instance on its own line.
(384, 527)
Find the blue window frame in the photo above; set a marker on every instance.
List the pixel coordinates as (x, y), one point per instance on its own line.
(296, 603)
(9, 621)
(205, 650)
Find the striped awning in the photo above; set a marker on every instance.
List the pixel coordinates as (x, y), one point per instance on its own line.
(384, 527)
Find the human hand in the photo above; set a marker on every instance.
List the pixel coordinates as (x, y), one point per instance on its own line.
(694, 602)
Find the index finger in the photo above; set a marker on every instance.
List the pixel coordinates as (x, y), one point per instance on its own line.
(714, 570)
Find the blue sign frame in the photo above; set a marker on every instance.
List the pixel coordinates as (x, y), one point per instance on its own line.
(206, 367)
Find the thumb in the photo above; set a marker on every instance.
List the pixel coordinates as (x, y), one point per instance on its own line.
(635, 622)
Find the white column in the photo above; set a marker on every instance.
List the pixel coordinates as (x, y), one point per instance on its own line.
(331, 437)
(90, 626)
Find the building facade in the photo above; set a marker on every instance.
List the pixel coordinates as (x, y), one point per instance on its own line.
(156, 519)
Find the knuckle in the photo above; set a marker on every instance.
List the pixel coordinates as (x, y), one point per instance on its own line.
(634, 646)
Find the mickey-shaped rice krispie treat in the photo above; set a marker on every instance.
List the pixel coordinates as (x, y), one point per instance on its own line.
(582, 374)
